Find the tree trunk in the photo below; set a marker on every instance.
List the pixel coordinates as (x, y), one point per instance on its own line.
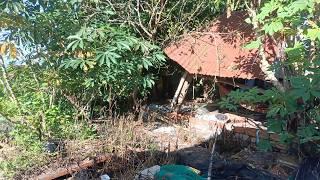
(6, 83)
(229, 10)
(269, 74)
(264, 64)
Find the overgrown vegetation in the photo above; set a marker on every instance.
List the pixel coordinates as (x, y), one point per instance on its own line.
(65, 63)
(120, 136)
(293, 27)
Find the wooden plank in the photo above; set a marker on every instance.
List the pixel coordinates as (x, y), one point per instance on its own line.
(180, 86)
(184, 89)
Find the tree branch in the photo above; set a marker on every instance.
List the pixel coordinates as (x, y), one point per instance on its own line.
(140, 22)
(6, 83)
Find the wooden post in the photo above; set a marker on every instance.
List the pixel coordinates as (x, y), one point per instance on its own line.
(184, 89)
(177, 95)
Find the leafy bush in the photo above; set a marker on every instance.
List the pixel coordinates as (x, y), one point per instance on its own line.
(21, 161)
(294, 105)
(113, 61)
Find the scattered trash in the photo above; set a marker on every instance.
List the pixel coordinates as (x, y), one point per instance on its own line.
(212, 116)
(190, 161)
(221, 117)
(105, 177)
(53, 146)
(166, 108)
(163, 109)
(150, 110)
(50, 147)
(185, 109)
(206, 117)
(165, 130)
(169, 172)
(148, 173)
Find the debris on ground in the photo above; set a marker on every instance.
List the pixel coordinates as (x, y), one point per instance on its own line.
(198, 157)
(187, 145)
(163, 109)
(165, 130)
(148, 173)
(105, 177)
(193, 163)
(203, 124)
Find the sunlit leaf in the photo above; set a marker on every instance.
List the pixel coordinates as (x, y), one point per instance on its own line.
(253, 44)
(313, 34)
(3, 48)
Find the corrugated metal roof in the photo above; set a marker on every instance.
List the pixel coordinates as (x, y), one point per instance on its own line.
(218, 50)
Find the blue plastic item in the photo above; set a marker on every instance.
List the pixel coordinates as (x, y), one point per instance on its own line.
(178, 172)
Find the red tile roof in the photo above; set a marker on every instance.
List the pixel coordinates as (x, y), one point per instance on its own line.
(218, 50)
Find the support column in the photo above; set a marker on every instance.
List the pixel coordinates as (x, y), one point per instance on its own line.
(182, 89)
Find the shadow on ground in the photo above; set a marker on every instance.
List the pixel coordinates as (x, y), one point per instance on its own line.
(199, 157)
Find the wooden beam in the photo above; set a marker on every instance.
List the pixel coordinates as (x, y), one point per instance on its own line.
(74, 168)
(177, 93)
(184, 89)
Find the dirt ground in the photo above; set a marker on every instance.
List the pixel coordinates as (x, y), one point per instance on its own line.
(154, 144)
(131, 146)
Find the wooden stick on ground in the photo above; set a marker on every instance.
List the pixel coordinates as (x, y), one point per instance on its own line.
(74, 168)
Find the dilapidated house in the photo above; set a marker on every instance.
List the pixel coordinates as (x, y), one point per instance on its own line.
(218, 52)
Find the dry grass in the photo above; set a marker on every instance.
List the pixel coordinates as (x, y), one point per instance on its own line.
(135, 147)
(137, 164)
(125, 138)
(16, 162)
